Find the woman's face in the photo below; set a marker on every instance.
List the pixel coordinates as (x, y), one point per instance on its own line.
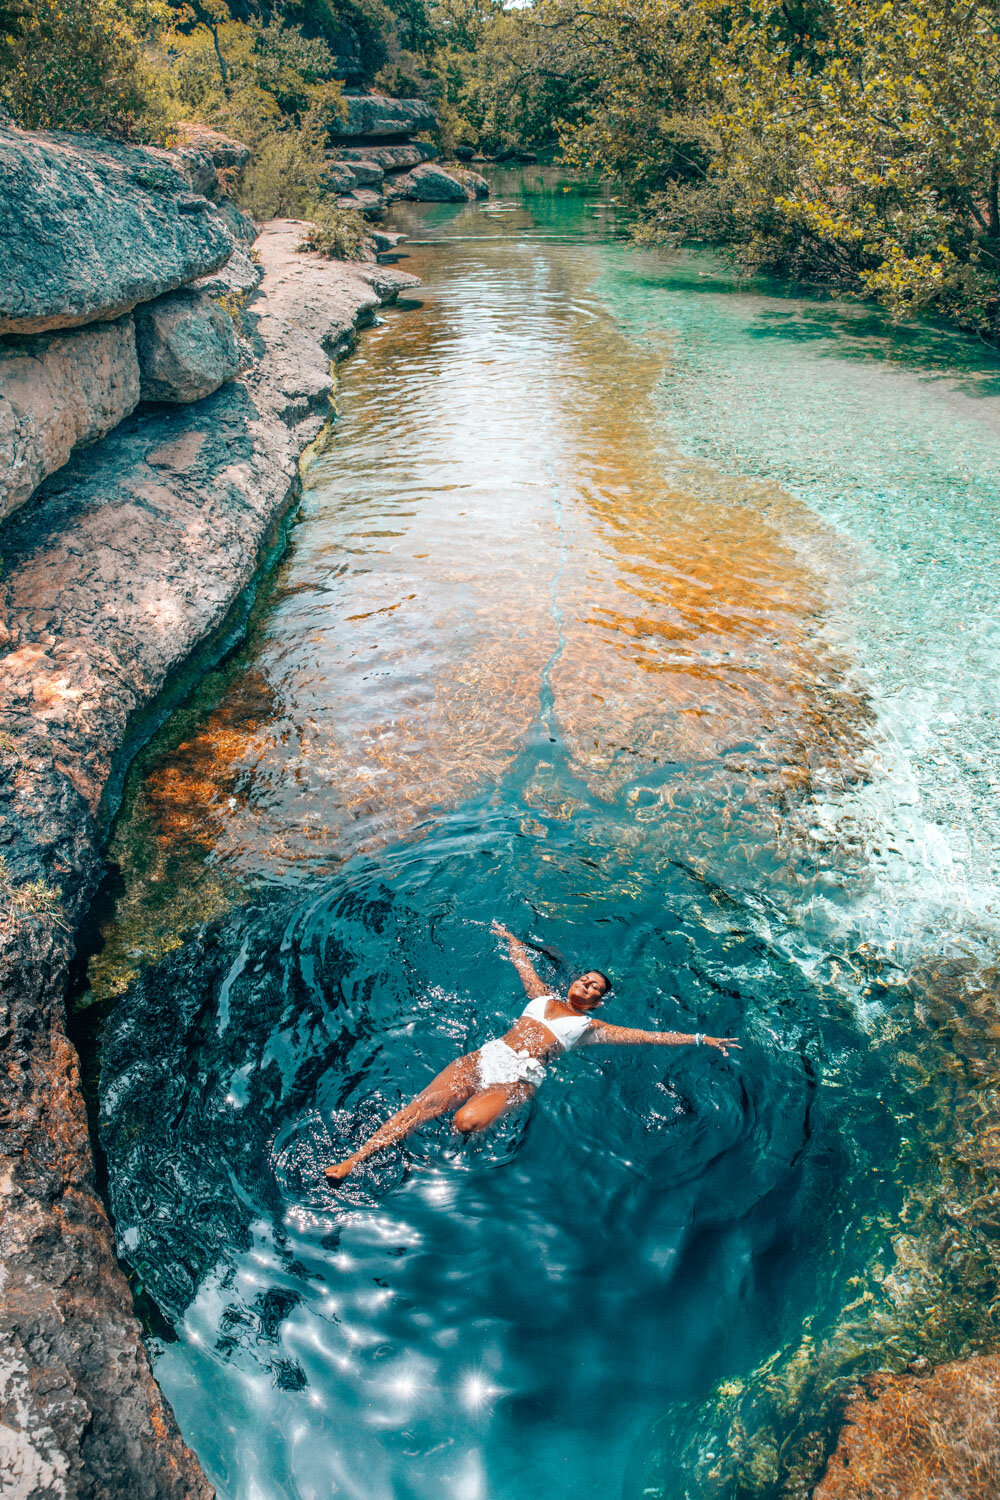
(587, 992)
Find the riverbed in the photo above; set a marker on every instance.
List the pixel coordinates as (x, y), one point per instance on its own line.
(652, 613)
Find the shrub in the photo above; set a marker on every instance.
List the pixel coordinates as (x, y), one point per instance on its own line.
(74, 64)
(339, 234)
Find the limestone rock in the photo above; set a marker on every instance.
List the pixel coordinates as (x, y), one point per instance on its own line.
(240, 225)
(132, 554)
(379, 117)
(367, 173)
(222, 150)
(198, 168)
(385, 240)
(389, 158)
(933, 1437)
(186, 345)
(430, 183)
(89, 228)
(58, 390)
(339, 178)
(237, 278)
(474, 181)
(364, 201)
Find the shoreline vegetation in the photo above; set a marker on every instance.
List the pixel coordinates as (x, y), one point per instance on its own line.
(855, 145)
(852, 143)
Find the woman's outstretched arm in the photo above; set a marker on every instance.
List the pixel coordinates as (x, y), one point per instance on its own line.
(601, 1033)
(522, 963)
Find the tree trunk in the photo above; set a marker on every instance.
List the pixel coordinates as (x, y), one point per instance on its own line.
(223, 69)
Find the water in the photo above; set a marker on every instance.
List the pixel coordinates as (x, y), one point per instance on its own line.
(651, 614)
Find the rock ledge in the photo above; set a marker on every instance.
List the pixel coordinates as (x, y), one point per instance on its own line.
(125, 560)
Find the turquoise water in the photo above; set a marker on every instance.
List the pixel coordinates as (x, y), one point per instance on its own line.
(650, 613)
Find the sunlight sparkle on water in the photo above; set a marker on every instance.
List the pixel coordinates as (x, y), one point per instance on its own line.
(477, 1391)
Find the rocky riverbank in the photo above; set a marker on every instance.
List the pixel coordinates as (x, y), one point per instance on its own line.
(115, 567)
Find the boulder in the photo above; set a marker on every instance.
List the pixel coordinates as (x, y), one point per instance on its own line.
(381, 118)
(198, 168)
(339, 178)
(57, 391)
(223, 152)
(367, 173)
(186, 345)
(430, 183)
(239, 277)
(477, 185)
(89, 228)
(389, 158)
(364, 201)
(239, 224)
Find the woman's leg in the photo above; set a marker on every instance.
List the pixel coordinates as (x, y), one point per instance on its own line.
(485, 1107)
(452, 1087)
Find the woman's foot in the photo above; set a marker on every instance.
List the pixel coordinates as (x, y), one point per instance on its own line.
(340, 1169)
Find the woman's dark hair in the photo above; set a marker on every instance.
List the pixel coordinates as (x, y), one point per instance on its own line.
(562, 962)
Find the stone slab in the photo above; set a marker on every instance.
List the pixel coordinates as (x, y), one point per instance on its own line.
(128, 558)
(58, 390)
(90, 227)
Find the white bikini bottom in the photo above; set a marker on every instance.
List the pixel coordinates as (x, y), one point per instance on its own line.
(499, 1063)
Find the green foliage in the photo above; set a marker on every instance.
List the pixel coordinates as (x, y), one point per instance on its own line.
(337, 233)
(881, 159)
(852, 141)
(283, 176)
(73, 64)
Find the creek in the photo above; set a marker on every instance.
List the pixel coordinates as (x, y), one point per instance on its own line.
(653, 613)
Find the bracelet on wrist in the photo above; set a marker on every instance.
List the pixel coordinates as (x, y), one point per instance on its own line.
(699, 1039)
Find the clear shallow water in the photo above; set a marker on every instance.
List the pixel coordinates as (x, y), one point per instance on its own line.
(629, 606)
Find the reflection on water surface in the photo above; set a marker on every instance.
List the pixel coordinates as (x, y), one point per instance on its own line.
(601, 616)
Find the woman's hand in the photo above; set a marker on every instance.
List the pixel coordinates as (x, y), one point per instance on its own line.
(502, 931)
(723, 1043)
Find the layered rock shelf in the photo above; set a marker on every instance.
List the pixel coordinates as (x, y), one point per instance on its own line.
(379, 162)
(123, 560)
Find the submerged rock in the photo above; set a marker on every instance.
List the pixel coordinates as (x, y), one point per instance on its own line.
(912, 1438)
(91, 227)
(57, 391)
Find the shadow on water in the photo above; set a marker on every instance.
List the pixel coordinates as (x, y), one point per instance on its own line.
(607, 614)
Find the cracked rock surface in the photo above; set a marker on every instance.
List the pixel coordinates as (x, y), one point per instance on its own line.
(123, 562)
(58, 390)
(129, 229)
(186, 346)
(929, 1437)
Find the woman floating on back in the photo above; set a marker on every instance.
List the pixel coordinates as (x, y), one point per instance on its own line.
(502, 1074)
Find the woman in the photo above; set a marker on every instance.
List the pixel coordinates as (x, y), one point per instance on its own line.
(483, 1085)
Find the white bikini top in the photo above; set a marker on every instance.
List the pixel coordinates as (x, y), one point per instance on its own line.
(567, 1030)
